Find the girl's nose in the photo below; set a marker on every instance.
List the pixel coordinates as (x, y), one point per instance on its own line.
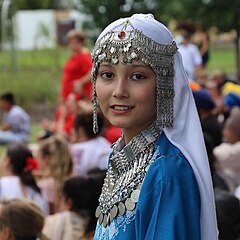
(121, 89)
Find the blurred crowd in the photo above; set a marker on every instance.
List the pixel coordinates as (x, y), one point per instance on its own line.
(49, 189)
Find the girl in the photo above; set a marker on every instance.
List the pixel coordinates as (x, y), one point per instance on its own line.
(79, 201)
(18, 180)
(20, 220)
(84, 158)
(158, 184)
(56, 165)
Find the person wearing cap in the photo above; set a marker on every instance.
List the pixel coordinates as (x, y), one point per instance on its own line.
(205, 105)
(158, 184)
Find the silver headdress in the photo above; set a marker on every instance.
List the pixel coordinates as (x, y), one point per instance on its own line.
(132, 44)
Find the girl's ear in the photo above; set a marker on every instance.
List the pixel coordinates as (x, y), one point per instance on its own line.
(6, 234)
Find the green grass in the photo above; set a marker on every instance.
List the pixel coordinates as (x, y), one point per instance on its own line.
(223, 57)
(46, 58)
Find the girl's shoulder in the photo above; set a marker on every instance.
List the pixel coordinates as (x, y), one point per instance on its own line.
(169, 162)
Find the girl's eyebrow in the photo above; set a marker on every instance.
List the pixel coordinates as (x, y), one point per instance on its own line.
(105, 65)
(131, 65)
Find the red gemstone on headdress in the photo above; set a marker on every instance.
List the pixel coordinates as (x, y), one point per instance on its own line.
(121, 34)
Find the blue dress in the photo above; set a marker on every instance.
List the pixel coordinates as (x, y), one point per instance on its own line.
(168, 207)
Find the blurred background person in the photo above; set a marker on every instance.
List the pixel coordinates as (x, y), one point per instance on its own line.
(77, 70)
(218, 178)
(205, 105)
(65, 117)
(228, 215)
(191, 56)
(55, 165)
(89, 150)
(15, 126)
(20, 220)
(17, 180)
(203, 44)
(79, 201)
(228, 153)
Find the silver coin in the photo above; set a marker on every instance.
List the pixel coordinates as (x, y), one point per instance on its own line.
(121, 208)
(130, 205)
(105, 220)
(135, 195)
(113, 212)
(97, 212)
(100, 219)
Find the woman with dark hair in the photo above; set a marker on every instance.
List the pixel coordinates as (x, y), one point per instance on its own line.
(77, 220)
(18, 180)
(84, 158)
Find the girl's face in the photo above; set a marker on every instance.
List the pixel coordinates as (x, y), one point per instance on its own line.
(126, 95)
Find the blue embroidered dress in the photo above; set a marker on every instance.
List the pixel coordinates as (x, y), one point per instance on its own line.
(168, 207)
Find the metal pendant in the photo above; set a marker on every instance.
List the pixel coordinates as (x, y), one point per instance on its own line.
(113, 212)
(98, 212)
(105, 220)
(130, 205)
(135, 195)
(100, 219)
(121, 208)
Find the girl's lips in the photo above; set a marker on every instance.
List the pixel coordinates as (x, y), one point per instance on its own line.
(121, 108)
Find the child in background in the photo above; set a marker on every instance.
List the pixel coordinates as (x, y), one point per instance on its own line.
(20, 220)
(18, 181)
(55, 162)
(79, 201)
(90, 150)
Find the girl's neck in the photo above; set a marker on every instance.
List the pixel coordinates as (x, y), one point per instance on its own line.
(129, 134)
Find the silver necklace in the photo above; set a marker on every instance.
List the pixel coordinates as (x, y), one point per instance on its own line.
(127, 169)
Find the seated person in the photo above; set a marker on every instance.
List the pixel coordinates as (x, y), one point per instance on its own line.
(89, 150)
(205, 105)
(65, 116)
(77, 220)
(17, 180)
(55, 165)
(15, 126)
(20, 219)
(228, 153)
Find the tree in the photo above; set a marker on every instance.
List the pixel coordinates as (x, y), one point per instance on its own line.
(224, 15)
(106, 11)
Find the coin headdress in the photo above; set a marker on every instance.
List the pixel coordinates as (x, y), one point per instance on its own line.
(133, 45)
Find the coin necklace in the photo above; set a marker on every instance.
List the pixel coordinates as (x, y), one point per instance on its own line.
(127, 169)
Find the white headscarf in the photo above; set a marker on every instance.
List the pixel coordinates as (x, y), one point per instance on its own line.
(186, 133)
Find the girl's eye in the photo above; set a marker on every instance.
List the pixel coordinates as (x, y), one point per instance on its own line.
(138, 76)
(107, 75)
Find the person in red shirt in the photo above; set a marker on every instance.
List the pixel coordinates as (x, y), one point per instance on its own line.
(77, 70)
(64, 118)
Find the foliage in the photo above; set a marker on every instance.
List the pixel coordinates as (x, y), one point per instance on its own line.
(31, 4)
(218, 13)
(106, 11)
